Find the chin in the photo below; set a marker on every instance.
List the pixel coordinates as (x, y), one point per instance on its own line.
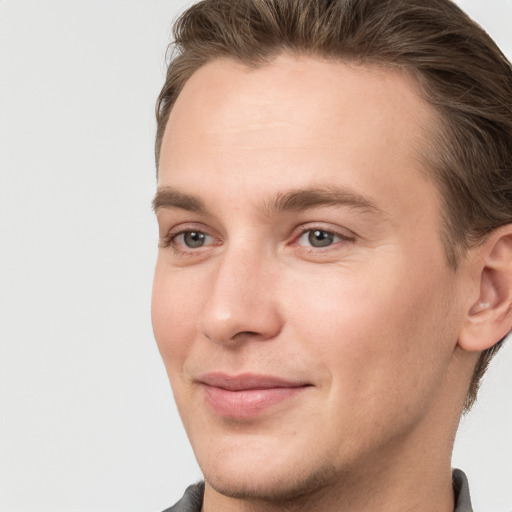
(260, 476)
(285, 487)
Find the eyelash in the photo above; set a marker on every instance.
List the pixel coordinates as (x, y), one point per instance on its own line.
(310, 229)
(168, 241)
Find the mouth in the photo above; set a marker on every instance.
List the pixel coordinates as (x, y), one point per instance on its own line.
(247, 395)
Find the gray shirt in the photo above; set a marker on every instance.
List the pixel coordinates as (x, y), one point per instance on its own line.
(192, 500)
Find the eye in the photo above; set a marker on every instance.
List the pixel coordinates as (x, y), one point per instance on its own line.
(319, 238)
(191, 239)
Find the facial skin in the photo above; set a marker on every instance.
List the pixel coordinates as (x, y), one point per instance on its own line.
(300, 239)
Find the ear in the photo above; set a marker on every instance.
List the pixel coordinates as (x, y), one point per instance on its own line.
(489, 317)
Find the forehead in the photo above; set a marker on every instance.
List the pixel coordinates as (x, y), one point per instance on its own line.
(296, 122)
(225, 96)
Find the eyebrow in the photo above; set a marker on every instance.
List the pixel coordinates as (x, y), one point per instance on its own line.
(291, 201)
(168, 197)
(305, 199)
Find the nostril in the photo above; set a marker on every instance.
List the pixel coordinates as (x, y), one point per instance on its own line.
(243, 335)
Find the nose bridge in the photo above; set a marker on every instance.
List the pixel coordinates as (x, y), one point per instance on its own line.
(240, 300)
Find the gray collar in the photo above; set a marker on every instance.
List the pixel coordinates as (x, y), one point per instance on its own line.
(461, 489)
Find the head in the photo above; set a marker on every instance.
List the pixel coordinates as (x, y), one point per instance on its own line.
(457, 67)
(334, 211)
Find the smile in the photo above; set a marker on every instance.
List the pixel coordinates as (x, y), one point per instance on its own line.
(247, 395)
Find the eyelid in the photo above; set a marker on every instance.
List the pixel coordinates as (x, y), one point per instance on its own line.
(343, 233)
(167, 241)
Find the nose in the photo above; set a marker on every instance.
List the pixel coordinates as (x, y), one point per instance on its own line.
(241, 302)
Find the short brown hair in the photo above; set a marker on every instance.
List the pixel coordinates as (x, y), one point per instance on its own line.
(460, 71)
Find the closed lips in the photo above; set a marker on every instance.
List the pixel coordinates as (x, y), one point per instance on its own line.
(247, 382)
(246, 396)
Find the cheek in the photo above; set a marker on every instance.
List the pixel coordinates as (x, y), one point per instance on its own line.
(369, 327)
(174, 305)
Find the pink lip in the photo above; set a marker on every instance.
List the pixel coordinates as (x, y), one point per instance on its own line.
(246, 395)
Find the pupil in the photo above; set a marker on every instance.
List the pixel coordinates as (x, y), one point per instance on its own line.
(320, 238)
(194, 239)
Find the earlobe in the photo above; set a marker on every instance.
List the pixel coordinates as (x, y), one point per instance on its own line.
(489, 318)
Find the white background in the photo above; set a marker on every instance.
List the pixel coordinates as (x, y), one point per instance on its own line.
(87, 420)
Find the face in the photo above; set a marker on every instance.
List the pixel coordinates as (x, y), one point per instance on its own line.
(302, 302)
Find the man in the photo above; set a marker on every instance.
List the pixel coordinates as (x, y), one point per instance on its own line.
(334, 274)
